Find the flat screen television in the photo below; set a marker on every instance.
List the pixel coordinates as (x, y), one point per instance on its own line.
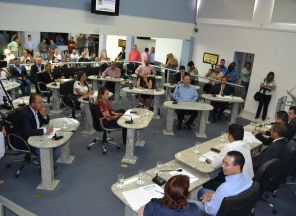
(105, 7)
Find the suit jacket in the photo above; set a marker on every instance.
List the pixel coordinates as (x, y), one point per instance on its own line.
(291, 129)
(271, 152)
(46, 78)
(27, 126)
(265, 140)
(217, 88)
(177, 77)
(16, 73)
(34, 71)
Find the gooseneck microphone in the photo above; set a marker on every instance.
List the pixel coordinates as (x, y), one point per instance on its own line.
(56, 137)
(160, 181)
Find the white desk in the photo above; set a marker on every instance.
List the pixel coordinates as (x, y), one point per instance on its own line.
(134, 132)
(12, 88)
(228, 99)
(200, 120)
(153, 92)
(46, 144)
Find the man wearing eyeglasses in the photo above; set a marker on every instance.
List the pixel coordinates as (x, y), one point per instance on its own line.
(236, 182)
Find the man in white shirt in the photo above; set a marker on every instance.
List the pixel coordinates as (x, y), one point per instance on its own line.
(236, 143)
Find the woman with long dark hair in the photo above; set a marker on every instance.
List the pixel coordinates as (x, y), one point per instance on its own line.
(174, 201)
(267, 86)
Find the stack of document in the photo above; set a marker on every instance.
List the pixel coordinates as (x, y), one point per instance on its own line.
(128, 115)
(142, 195)
(192, 178)
(209, 155)
(50, 136)
(250, 138)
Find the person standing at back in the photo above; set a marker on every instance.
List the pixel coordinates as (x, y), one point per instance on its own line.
(267, 86)
(134, 54)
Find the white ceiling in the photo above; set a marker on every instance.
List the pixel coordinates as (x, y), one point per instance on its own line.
(284, 11)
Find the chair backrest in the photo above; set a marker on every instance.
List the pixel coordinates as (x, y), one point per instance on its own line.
(12, 117)
(241, 204)
(266, 173)
(287, 161)
(66, 88)
(17, 143)
(96, 115)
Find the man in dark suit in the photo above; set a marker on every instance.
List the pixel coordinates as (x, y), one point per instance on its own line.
(180, 75)
(36, 68)
(291, 130)
(221, 89)
(274, 150)
(20, 73)
(32, 118)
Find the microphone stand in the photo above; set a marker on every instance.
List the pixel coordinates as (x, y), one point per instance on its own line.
(6, 94)
(160, 181)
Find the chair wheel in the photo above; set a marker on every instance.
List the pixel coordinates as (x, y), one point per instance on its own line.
(274, 211)
(17, 174)
(118, 147)
(88, 148)
(8, 165)
(104, 152)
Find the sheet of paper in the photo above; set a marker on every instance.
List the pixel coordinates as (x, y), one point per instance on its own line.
(140, 196)
(210, 155)
(50, 136)
(192, 178)
(128, 115)
(250, 138)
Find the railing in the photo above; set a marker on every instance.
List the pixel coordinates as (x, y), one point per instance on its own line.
(12, 207)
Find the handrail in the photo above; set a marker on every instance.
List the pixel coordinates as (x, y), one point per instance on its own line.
(16, 209)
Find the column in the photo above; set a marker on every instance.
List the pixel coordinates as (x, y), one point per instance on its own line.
(102, 43)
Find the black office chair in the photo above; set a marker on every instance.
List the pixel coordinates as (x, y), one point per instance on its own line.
(17, 143)
(98, 125)
(241, 204)
(69, 99)
(287, 161)
(43, 90)
(265, 175)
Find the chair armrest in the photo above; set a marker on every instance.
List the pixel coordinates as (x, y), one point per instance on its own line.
(107, 129)
(9, 138)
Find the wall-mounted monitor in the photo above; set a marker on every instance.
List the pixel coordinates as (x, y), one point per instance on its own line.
(105, 7)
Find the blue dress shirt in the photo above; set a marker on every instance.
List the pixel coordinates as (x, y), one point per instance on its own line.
(185, 93)
(233, 185)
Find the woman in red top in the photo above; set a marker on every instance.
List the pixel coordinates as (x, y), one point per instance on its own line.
(111, 117)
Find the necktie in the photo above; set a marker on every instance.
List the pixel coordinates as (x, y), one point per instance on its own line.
(222, 90)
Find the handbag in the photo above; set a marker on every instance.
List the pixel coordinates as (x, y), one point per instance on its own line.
(257, 96)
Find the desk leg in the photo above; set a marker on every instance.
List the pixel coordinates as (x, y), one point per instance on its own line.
(169, 123)
(117, 92)
(157, 83)
(88, 128)
(156, 107)
(167, 93)
(202, 125)
(134, 81)
(95, 84)
(47, 174)
(65, 157)
(139, 138)
(56, 101)
(234, 112)
(129, 212)
(129, 156)
(207, 112)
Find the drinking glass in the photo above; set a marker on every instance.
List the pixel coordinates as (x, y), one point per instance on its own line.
(120, 181)
(196, 150)
(222, 137)
(64, 124)
(140, 180)
(158, 166)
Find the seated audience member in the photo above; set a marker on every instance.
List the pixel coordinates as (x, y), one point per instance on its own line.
(150, 69)
(20, 73)
(4, 73)
(274, 150)
(110, 116)
(221, 89)
(93, 57)
(113, 72)
(74, 56)
(32, 118)
(291, 131)
(103, 56)
(185, 92)
(174, 201)
(145, 82)
(47, 76)
(2, 148)
(83, 59)
(25, 57)
(57, 54)
(193, 72)
(178, 77)
(36, 68)
(236, 182)
(236, 143)
(81, 88)
(265, 137)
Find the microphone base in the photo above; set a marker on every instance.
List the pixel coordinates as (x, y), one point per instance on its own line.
(158, 180)
(128, 122)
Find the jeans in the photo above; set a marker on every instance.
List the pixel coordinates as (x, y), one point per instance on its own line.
(246, 87)
(25, 87)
